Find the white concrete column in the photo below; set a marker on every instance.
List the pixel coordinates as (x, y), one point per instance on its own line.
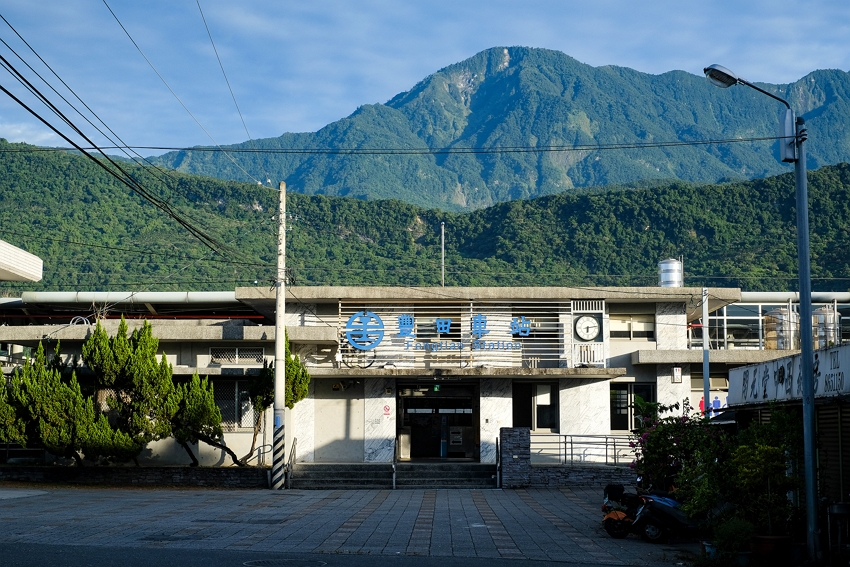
(671, 333)
(585, 406)
(496, 411)
(303, 426)
(379, 420)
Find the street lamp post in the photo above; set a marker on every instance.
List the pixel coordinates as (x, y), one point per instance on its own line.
(791, 149)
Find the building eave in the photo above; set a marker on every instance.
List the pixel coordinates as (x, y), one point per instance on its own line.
(694, 356)
(470, 373)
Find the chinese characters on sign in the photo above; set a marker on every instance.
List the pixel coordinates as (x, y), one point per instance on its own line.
(365, 330)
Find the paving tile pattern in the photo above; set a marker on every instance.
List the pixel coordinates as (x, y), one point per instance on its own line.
(539, 524)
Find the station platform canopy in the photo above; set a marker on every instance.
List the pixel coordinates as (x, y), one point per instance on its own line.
(17, 265)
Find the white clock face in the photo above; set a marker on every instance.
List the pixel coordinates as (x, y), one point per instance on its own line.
(587, 328)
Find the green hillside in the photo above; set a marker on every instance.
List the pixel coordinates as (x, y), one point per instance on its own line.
(94, 234)
(521, 97)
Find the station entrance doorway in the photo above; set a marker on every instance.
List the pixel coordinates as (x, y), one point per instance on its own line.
(438, 421)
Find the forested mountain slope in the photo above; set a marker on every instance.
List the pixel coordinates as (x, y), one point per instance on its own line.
(519, 97)
(94, 234)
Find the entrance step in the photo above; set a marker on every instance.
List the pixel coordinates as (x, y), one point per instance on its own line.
(350, 476)
(445, 475)
(336, 476)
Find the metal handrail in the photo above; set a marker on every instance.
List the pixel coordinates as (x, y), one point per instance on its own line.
(289, 467)
(395, 460)
(498, 464)
(570, 448)
(261, 450)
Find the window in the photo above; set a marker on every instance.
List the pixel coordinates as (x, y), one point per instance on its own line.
(535, 405)
(232, 399)
(623, 397)
(632, 327)
(233, 355)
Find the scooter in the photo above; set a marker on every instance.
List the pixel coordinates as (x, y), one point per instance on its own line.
(659, 517)
(619, 508)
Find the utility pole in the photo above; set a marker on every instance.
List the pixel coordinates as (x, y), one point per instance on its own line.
(443, 248)
(279, 442)
(706, 377)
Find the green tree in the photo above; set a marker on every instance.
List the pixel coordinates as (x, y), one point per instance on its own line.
(261, 394)
(261, 390)
(297, 378)
(198, 418)
(144, 398)
(669, 448)
(43, 408)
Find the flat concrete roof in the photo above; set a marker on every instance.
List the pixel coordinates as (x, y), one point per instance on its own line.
(694, 356)
(17, 265)
(448, 374)
(262, 299)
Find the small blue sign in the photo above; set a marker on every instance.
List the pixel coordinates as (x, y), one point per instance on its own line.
(364, 330)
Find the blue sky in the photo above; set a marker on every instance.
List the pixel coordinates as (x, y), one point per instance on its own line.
(296, 66)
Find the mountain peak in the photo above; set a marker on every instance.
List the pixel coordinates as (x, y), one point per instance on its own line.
(611, 125)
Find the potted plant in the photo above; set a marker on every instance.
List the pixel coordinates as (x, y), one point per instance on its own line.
(760, 471)
(732, 541)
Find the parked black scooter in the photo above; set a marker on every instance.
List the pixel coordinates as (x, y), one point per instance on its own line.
(659, 517)
(619, 508)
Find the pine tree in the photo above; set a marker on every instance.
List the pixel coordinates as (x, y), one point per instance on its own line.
(297, 378)
(53, 413)
(198, 418)
(143, 399)
(261, 390)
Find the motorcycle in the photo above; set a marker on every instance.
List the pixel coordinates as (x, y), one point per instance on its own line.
(620, 509)
(659, 517)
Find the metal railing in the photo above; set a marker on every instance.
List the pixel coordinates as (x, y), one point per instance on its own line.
(289, 467)
(498, 464)
(571, 449)
(258, 452)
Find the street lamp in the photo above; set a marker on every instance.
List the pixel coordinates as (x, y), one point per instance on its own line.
(791, 149)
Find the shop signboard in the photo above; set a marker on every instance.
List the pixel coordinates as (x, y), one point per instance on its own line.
(779, 380)
(365, 330)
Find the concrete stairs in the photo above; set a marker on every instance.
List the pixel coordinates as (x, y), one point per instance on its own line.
(352, 476)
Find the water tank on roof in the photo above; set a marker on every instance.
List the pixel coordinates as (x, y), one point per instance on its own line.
(779, 330)
(670, 273)
(825, 328)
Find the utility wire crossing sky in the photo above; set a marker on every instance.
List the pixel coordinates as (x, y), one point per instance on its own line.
(295, 67)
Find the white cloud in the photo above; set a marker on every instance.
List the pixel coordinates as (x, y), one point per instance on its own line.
(30, 133)
(296, 66)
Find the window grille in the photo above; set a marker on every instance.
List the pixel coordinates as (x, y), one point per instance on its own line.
(232, 399)
(588, 306)
(233, 355)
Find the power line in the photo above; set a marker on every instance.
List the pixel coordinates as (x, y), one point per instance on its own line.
(139, 251)
(226, 80)
(428, 151)
(124, 178)
(124, 147)
(161, 78)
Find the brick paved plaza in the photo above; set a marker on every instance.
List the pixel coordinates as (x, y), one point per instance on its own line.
(560, 525)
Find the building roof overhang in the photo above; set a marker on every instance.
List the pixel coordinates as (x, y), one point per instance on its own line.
(470, 373)
(17, 265)
(262, 299)
(729, 356)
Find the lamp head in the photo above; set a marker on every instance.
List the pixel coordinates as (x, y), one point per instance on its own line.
(720, 76)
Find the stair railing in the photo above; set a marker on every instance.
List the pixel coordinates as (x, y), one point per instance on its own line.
(498, 464)
(395, 460)
(289, 467)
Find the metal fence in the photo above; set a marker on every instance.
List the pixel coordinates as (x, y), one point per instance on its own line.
(554, 448)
